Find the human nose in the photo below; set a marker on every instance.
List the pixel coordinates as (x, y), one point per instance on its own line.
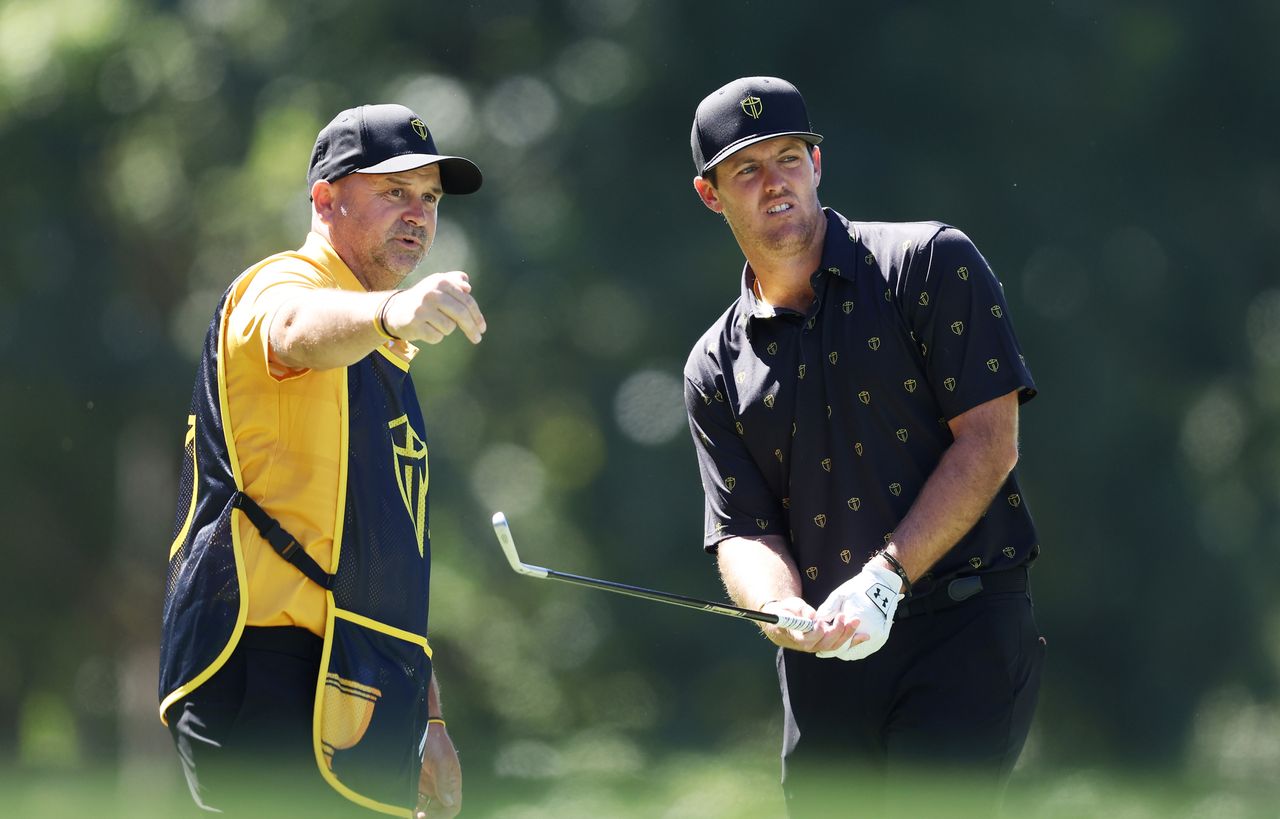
(773, 181)
(416, 213)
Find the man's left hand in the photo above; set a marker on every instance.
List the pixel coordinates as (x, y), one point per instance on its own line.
(871, 597)
(440, 782)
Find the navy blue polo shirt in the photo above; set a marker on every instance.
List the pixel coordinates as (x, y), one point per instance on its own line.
(822, 427)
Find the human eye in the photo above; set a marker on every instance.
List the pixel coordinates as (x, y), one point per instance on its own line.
(395, 193)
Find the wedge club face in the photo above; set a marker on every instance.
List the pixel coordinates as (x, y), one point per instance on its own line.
(503, 531)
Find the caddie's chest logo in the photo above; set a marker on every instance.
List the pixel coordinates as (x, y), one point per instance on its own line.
(409, 463)
(752, 106)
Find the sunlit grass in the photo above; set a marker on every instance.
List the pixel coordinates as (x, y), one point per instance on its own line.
(676, 786)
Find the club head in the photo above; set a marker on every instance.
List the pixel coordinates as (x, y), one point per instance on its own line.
(503, 531)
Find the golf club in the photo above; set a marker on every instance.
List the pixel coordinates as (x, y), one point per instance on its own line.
(503, 531)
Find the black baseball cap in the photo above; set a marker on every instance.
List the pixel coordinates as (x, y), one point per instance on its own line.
(746, 111)
(385, 139)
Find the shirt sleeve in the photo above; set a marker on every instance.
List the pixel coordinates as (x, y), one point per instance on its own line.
(264, 293)
(739, 502)
(956, 308)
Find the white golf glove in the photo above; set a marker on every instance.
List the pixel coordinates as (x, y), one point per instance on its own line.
(871, 596)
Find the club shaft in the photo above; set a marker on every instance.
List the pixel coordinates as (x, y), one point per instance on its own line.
(797, 623)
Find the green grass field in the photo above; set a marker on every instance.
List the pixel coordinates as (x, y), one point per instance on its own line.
(680, 786)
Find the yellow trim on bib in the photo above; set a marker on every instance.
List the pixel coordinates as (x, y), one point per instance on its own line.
(237, 550)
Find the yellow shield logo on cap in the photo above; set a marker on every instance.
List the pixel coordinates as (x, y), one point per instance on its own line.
(419, 127)
(752, 107)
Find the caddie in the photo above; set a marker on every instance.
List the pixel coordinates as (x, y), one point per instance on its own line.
(295, 645)
(855, 417)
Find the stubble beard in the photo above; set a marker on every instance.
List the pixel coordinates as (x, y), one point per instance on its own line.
(788, 240)
(391, 260)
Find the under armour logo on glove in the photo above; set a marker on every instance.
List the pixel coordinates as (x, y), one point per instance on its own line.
(872, 597)
(880, 597)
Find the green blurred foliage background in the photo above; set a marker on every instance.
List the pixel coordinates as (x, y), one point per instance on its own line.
(1115, 161)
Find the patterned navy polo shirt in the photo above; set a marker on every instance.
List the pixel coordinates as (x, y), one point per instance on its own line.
(822, 427)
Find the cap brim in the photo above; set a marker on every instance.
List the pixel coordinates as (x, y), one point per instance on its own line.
(733, 147)
(458, 175)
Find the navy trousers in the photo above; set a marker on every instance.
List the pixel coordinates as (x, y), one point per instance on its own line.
(932, 722)
(244, 736)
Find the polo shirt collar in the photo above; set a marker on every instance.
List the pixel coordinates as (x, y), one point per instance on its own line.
(837, 259)
(318, 250)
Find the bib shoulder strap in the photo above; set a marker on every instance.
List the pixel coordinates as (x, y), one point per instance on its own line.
(285, 544)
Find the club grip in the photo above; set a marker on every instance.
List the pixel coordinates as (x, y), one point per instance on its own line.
(795, 623)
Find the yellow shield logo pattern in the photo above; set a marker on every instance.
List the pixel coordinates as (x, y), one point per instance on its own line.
(924, 299)
(826, 464)
(963, 273)
(975, 562)
(902, 435)
(772, 349)
(895, 489)
(833, 356)
(1009, 552)
(909, 385)
(409, 462)
(752, 106)
(419, 127)
(864, 397)
(762, 523)
(847, 307)
(857, 447)
(800, 373)
(996, 311)
(957, 327)
(768, 401)
(874, 342)
(730, 482)
(1015, 500)
(846, 555)
(821, 520)
(811, 572)
(993, 364)
(855, 503)
(950, 384)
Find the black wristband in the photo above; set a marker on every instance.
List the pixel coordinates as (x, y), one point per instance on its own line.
(380, 323)
(898, 569)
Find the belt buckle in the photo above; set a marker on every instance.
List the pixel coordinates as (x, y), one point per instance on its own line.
(962, 588)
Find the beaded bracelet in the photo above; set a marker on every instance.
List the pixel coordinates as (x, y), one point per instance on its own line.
(898, 569)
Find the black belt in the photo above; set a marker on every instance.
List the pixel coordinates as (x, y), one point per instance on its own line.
(960, 589)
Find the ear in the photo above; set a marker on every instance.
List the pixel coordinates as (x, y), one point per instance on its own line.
(817, 166)
(322, 200)
(707, 193)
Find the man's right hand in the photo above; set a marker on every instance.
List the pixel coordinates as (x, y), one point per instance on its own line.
(435, 307)
(828, 635)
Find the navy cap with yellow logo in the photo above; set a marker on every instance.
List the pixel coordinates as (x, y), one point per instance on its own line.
(746, 111)
(385, 139)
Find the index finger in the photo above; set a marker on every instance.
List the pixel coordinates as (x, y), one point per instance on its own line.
(465, 314)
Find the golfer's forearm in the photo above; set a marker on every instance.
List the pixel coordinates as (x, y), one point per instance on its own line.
(961, 487)
(757, 570)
